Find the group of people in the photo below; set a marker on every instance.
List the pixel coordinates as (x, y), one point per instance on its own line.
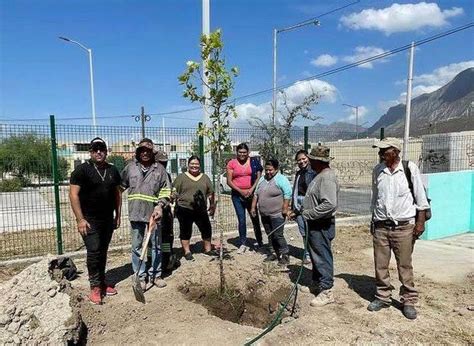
(398, 208)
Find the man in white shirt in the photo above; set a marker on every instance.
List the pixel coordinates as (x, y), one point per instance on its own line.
(398, 218)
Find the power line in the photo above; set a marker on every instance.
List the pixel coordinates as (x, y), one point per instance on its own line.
(316, 76)
(363, 61)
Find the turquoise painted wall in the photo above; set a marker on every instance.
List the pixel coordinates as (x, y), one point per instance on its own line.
(452, 204)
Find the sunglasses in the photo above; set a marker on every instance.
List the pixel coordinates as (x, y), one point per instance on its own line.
(98, 147)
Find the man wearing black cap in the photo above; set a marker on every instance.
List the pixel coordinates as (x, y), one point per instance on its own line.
(398, 218)
(148, 193)
(319, 210)
(96, 202)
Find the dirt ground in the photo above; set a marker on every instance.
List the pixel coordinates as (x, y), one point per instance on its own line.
(176, 314)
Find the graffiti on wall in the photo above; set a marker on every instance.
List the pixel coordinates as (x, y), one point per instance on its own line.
(353, 172)
(437, 160)
(470, 155)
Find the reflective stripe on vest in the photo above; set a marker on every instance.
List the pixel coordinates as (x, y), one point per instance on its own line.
(142, 197)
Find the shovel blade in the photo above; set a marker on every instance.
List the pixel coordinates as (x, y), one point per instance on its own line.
(138, 290)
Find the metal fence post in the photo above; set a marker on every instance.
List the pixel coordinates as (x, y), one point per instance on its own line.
(306, 143)
(382, 133)
(54, 155)
(201, 147)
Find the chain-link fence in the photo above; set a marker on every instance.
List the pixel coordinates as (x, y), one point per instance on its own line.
(34, 204)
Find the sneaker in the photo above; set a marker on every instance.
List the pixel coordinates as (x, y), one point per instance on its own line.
(323, 298)
(271, 258)
(95, 296)
(377, 305)
(409, 312)
(241, 250)
(109, 290)
(284, 260)
(189, 256)
(160, 283)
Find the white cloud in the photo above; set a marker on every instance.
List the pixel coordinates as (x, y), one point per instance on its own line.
(295, 94)
(362, 112)
(361, 53)
(401, 17)
(442, 75)
(324, 60)
(429, 82)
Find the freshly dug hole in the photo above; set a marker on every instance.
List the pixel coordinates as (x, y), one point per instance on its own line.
(256, 305)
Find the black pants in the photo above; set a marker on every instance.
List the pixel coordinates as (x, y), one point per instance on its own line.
(187, 217)
(275, 224)
(97, 242)
(167, 239)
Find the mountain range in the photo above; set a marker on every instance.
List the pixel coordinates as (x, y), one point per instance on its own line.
(448, 109)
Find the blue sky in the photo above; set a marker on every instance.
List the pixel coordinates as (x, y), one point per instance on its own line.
(140, 47)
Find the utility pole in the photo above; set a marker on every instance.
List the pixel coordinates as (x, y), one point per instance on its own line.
(408, 104)
(142, 118)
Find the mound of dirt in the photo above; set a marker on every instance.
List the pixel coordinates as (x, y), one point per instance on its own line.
(35, 309)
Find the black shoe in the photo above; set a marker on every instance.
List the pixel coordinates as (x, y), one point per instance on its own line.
(377, 305)
(284, 260)
(189, 256)
(270, 258)
(211, 253)
(409, 312)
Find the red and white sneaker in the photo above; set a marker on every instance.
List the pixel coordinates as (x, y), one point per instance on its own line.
(95, 296)
(109, 290)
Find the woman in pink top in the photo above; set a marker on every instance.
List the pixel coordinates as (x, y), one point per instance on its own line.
(243, 173)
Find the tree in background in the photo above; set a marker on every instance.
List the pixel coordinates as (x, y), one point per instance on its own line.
(28, 156)
(220, 83)
(275, 140)
(118, 161)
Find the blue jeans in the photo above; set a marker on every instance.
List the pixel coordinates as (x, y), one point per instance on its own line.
(321, 233)
(240, 205)
(300, 222)
(138, 231)
(274, 226)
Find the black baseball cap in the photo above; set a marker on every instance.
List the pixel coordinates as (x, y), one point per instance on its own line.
(97, 143)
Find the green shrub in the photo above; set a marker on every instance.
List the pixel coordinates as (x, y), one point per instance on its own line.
(11, 185)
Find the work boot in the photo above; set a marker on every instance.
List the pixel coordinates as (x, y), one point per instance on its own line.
(95, 296)
(284, 260)
(409, 312)
(323, 298)
(377, 304)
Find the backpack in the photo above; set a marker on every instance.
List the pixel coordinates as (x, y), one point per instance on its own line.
(410, 185)
(62, 267)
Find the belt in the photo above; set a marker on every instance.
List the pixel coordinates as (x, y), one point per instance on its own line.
(390, 223)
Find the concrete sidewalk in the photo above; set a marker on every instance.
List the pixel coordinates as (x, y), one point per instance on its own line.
(445, 260)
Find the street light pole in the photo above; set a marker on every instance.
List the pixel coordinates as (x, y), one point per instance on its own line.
(275, 34)
(357, 117)
(91, 75)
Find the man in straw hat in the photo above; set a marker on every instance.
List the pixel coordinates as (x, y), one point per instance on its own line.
(395, 224)
(319, 210)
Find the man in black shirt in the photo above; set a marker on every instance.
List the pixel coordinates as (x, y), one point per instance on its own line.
(96, 202)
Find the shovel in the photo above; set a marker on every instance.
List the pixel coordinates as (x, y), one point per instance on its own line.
(136, 284)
